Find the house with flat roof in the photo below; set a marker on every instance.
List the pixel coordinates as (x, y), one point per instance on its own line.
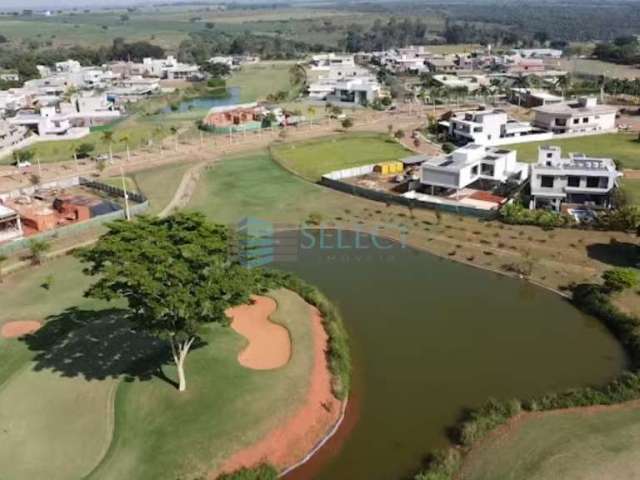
(468, 164)
(326, 61)
(584, 115)
(530, 98)
(576, 180)
(485, 127)
(10, 224)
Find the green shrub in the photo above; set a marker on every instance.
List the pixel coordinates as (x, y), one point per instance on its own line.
(261, 472)
(619, 279)
(516, 214)
(441, 465)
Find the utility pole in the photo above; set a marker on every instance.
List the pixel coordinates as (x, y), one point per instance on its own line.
(127, 214)
(39, 168)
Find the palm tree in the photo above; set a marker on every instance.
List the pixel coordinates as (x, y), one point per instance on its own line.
(484, 91)
(563, 83)
(107, 137)
(521, 82)
(126, 139)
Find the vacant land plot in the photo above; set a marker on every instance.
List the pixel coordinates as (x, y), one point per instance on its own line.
(623, 147)
(255, 186)
(314, 158)
(585, 444)
(259, 80)
(597, 67)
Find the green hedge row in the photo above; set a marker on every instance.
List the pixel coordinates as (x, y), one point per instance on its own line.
(476, 424)
(261, 472)
(516, 214)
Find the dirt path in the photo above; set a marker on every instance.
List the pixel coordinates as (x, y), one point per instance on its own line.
(269, 344)
(299, 434)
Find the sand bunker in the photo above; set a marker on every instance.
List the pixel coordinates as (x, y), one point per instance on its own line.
(19, 328)
(269, 343)
(298, 434)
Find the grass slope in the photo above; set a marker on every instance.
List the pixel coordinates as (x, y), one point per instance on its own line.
(314, 158)
(258, 81)
(619, 146)
(160, 184)
(161, 434)
(569, 445)
(255, 186)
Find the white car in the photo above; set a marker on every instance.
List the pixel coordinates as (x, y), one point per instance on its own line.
(23, 164)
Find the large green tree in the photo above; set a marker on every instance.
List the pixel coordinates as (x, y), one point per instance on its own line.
(176, 273)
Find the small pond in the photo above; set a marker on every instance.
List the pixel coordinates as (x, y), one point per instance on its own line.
(205, 103)
(431, 337)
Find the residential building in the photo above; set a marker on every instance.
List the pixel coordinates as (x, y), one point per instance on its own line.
(441, 65)
(470, 82)
(577, 180)
(485, 127)
(67, 66)
(11, 135)
(170, 69)
(531, 98)
(9, 76)
(46, 122)
(346, 84)
(234, 117)
(326, 61)
(468, 164)
(575, 117)
(10, 224)
(538, 53)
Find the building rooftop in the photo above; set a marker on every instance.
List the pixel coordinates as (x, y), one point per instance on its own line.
(6, 211)
(576, 107)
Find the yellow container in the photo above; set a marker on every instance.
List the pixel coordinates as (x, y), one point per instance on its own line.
(388, 168)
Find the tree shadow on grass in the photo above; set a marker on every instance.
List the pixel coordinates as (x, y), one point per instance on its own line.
(98, 345)
(617, 254)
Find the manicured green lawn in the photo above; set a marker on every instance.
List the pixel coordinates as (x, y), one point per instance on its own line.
(254, 185)
(314, 158)
(160, 184)
(632, 187)
(569, 445)
(259, 80)
(161, 434)
(58, 388)
(619, 146)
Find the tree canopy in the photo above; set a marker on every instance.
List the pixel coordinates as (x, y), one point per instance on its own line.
(176, 274)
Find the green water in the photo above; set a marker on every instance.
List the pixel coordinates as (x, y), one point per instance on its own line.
(431, 337)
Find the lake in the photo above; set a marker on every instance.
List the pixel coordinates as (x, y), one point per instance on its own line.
(206, 103)
(431, 337)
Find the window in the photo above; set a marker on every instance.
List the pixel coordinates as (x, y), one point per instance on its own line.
(487, 169)
(576, 121)
(573, 181)
(593, 182)
(474, 170)
(549, 155)
(585, 120)
(546, 181)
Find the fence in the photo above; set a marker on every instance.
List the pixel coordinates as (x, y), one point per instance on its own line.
(111, 190)
(334, 180)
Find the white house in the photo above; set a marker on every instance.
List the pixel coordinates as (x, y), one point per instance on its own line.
(10, 225)
(470, 82)
(67, 66)
(538, 53)
(11, 135)
(468, 164)
(346, 84)
(48, 122)
(169, 68)
(486, 127)
(575, 117)
(579, 179)
(327, 61)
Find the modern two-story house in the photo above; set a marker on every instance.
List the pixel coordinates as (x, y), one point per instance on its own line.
(578, 180)
(471, 163)
(574, 117)
(485, 127)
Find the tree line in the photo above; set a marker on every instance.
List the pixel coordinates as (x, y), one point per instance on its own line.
(25, 60)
